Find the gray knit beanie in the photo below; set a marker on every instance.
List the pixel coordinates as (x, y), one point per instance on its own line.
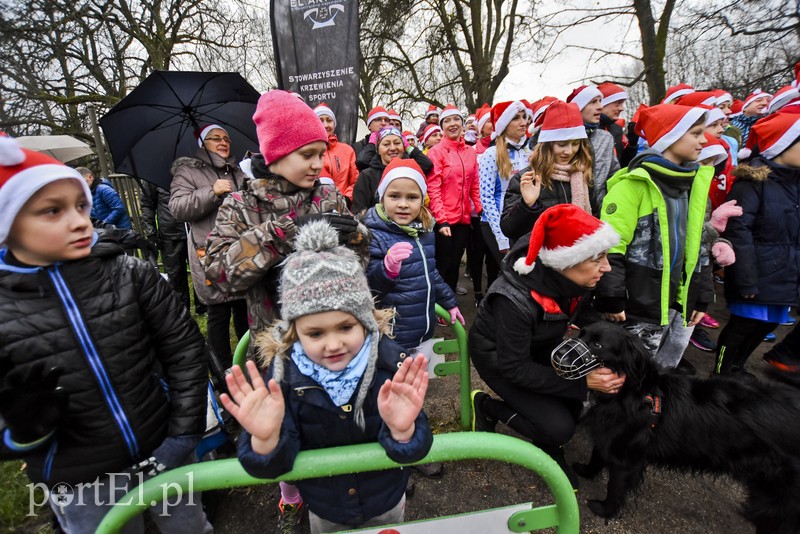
(325, 276)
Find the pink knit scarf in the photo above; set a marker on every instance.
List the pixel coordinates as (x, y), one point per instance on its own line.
(577, 185)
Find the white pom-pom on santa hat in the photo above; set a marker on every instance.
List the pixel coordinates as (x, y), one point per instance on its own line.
(565, 236)
(10, 152)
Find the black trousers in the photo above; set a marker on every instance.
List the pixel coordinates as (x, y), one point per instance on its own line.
(548, 421)
(493, 255)
(175, 255)
(737, 341)
(449, 251)
(219, 320)
(476, 254)
(790, 345)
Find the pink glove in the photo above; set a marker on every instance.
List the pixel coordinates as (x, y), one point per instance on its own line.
(723, 253)
(720, 216)
(456, 314)
(395, 256)
(373, 138)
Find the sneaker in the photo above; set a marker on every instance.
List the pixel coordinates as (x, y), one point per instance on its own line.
(481, 421)
(719, 279)
(431, 470)
(790, 322)
(771, 337)
(289, 518)
(461, 290)
(702, 341)
(478, 298)
(781, 362)
(709, 322)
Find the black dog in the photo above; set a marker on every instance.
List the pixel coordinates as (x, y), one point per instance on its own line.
(740, 427)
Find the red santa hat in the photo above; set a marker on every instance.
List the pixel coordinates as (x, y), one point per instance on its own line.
(483, 114)
(583, 95)
(393, 115)
(402, 168)
(429, 131)
(202, 133)
(324, 111)
(565, 236)
(755, 95)
(449, 111)
(528, 108)
(736, 107)
(539, 107)
(23, 173)
(432, 110)
(713, 114)
(562, 122)
(376, 113)
(784, 96)
(773, 134)
(698, 98)
(713, 149)
(796, 81)
(503, 113)
(408, 135)
(664, 124)
(722, 96)
(677, 91)
(611, 93)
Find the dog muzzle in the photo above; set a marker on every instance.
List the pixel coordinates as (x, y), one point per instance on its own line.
(572, 359)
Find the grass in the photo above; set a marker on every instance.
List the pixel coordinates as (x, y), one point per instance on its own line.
(14, 501)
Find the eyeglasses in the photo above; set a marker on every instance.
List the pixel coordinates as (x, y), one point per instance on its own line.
(218, 139)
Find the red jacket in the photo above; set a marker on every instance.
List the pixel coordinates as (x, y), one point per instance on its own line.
(721, 183)
(453, 182)
(340, 164)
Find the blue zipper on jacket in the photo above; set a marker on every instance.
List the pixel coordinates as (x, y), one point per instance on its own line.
(428, 283)
(93, 358)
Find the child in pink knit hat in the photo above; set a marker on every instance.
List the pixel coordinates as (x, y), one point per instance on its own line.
(256, 226)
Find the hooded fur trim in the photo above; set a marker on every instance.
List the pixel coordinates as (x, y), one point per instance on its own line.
(753, 174)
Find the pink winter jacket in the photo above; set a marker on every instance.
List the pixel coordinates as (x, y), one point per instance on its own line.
(453, 182)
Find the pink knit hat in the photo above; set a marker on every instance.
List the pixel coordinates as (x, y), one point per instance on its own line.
(285, 123)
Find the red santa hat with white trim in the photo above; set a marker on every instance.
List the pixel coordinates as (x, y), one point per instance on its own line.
(539, 107)
(583, 95)
(713, 114)
(713, 149)
(409, 135)
(722, 96)
(663, 124)
(429, 131)
(503, 113)
(697, 98)
(393, 115)
(402, 168)
(483, 114)
(772, 135)
(449, 111)
(752, 97)
(432, 110)
(323, 110)
(376, 113)
(564, 236)
(611, 93)
(677, 91)
(784, 96)
(562, 122)
(23, 173)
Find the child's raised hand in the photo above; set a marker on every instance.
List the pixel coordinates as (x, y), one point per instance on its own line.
(400, 399)
(258, 409)
(530, 185)
(455, 315)
(395, 256)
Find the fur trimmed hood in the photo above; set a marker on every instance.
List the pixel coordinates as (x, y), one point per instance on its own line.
(756, 171)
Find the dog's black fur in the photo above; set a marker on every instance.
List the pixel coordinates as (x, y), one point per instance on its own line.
(741, 427)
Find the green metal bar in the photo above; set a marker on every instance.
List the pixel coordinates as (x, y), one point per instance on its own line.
(358, 459)
(446, 346)
(465, 386)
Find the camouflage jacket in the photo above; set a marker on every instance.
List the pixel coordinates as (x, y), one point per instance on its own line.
(254, 232)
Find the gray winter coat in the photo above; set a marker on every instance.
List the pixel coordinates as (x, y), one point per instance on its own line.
(192, 200)
(604, 164)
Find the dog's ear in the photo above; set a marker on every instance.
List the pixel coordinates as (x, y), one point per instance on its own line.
(636, 359)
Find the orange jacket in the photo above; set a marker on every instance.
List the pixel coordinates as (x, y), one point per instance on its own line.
(340, 164)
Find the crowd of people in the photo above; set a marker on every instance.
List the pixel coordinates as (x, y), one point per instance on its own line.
(334, 258)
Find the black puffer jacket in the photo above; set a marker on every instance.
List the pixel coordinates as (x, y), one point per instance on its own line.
(132, 358)
(155, 206)
(766, 238)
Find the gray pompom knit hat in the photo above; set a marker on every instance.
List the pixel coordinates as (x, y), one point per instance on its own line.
(324, 276)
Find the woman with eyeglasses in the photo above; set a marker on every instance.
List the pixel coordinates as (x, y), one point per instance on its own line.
(199, 185)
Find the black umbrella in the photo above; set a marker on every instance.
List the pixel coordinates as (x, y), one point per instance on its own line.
(155, 124)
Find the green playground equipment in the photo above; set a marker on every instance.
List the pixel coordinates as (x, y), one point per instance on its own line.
(459, 366)
(219, 474)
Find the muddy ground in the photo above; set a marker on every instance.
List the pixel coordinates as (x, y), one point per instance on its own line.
(668, 502)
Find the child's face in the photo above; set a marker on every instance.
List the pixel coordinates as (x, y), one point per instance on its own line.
(301, 167)
(53, 225)
(789, 157)
(402, 201)
(433, 139)
(716, 128)
(591, 113)
(331, 339)
(328, 124)
(564, 151)
(688, 147)
(725, 107)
